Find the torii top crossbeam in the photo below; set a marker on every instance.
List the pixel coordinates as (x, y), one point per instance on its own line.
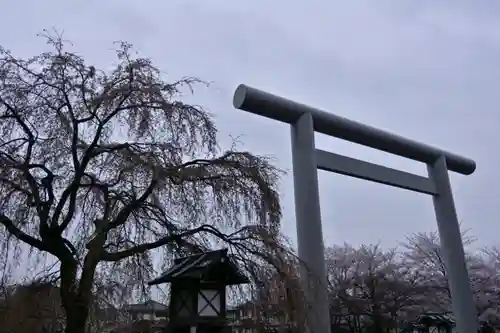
(271, 106)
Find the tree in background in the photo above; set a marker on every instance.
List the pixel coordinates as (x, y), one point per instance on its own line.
(371, 288)
(489, 301)
(102, 169)
(423, 251)
(32, 308)
(382, 290)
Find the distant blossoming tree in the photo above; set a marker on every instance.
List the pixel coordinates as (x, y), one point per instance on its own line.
(375, 289)
(371, 288)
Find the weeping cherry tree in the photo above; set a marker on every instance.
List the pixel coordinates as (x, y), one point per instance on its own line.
(108, 171)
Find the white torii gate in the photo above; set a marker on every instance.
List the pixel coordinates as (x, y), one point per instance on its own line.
(304, 121)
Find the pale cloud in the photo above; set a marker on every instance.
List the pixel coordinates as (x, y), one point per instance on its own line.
(424, 69)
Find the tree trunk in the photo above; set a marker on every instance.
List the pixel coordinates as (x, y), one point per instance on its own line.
(77, 298)
(76, 318)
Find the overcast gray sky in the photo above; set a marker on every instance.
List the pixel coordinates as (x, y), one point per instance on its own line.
(428, 70)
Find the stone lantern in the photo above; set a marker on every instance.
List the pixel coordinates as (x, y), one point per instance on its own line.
(198, 292)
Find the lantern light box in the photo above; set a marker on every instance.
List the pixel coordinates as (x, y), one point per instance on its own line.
(198, 291)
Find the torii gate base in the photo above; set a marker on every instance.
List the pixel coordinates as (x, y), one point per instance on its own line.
(304, 121)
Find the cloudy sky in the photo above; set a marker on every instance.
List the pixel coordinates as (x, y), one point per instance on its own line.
(428, 70)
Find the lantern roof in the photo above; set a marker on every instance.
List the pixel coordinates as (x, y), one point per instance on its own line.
(213, 266)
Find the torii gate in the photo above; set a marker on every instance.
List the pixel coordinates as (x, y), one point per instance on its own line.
(306, 159)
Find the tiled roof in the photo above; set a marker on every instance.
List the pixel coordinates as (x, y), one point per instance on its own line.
(146, 306)
(197, 265)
